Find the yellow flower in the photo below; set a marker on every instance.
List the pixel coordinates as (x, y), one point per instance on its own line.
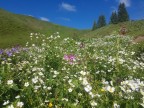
(102, 90)
(50, 105)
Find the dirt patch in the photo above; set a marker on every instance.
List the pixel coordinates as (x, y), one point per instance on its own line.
(138, 39)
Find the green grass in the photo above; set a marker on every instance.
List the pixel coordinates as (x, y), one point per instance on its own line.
(15, 29)
(135, 28)
(58, 73)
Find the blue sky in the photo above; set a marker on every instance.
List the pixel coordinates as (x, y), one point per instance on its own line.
(72, 13)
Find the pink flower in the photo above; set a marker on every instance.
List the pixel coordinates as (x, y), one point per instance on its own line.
(71, 58)
(66, 57)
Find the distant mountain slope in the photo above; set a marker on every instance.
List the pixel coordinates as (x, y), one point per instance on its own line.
(15, 29)
(135, 28)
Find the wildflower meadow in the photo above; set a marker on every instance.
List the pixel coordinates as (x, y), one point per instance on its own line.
(51, 72)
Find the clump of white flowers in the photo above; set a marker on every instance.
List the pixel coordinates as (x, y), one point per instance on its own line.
(20, 104)
(108, 87)
(26, 84)
(131, 85)
(10, 82)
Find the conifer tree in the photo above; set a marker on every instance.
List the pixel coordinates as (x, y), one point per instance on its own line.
(122, 13)
(94, 26)
(101, 21)
(114, 18)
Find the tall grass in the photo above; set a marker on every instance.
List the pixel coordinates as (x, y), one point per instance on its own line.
(54, 72)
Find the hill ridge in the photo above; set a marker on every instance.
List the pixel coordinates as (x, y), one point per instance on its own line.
(15, 28)
(134, 28)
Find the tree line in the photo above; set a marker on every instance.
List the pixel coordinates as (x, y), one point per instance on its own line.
(116, 17)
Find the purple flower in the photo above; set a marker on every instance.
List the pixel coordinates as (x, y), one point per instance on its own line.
(9, 53)
(71, 58)
(66, 57)
(1, 51)
(15, 50)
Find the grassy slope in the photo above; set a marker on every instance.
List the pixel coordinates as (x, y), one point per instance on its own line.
(15, 29)
(135, 28)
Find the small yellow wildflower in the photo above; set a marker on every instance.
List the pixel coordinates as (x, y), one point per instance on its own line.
(102, 90)
(50, 105)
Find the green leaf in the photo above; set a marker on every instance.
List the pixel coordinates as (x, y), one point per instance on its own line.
(15, 87)
(0, 77)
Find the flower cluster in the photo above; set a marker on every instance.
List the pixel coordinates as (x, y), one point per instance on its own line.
(70, 58)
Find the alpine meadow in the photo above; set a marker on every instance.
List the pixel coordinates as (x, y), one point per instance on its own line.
(46, 64)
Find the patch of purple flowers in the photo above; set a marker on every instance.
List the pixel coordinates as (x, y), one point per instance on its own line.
(1, 51)
(9, 53)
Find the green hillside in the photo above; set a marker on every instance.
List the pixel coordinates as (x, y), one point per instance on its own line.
(15, 29)
(135, 28)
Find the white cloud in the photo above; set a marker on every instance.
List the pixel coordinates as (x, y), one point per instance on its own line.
(44, 19)
(65, 19)
(126, 2)
(68, 7)
(31, 15)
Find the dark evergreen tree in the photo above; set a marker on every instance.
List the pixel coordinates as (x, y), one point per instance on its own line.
(122, 13)
(94, 26)
(101, 21)
(114, 18)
